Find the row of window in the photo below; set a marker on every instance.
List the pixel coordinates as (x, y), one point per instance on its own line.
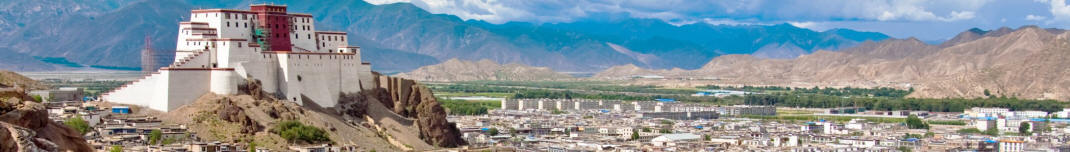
(245, 25)
(236, 15)
(245, 16)
(333, 37)
(187, 32)
(288, 56)
(240, 44)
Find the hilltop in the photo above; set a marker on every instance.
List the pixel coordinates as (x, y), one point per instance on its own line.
(1028, 62)
(462, 70)
(11, 79)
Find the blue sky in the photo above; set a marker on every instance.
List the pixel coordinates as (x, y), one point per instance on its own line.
(925, 19)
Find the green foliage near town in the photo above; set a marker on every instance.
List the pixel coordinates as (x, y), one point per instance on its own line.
(251, 147)
(464, 107)
(913, 122)
(828, 118)
(493, 131)
(77, 124)
(1023, 128)
(37, 98)
(295, 131)
(969, 131)
(991, 131)
(947, 122)
(585, 85)
(92, 87)
(885, 99)
(904, 149)
(934, 105)
(155, 136)
(116, 148)
(910, 135)
(842, 92)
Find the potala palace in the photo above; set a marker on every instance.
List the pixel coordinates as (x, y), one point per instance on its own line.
(218, 49)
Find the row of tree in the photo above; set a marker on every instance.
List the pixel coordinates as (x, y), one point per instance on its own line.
(934, 105)
(462, 107)
(847, 91)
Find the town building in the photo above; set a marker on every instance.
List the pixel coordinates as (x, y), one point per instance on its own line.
(219, 49)
(61, 94)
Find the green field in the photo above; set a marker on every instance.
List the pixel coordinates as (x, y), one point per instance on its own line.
(827, 118)
(464, 107)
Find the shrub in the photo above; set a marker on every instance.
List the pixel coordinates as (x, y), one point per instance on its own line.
(155, 136)
(78, 124)
(297, 132)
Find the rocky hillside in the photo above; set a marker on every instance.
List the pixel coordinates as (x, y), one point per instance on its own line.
(461, 70)
(25, 126)
(415, 104)
(400, 115)
(1028, 62)
(11, 79)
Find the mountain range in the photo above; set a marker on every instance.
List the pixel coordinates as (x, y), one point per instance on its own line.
(463, 70)
(1028, 62)
(69, 34)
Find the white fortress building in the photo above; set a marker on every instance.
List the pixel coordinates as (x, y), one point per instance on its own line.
(218, 49)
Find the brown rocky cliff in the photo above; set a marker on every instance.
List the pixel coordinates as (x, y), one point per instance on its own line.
(33, 117)
(410, 99)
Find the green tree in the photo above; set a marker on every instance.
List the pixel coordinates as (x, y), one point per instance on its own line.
(116, 148)
(78, 124)
(987, 93)
(492, 131)
(252, 147)
(969, 131)
(1023, 128)
(905, 149)
(913, 122)
(992, 131)
(37, 98)
(155, 136)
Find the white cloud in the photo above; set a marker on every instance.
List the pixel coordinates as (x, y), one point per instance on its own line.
(693, 11)
(1060, 12)
(808, 25)
(1032, 17)
(712, 21)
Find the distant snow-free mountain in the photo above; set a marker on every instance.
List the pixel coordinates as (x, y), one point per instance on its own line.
(397, 37)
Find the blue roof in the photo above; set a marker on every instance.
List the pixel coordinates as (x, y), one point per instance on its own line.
(911, 139)
(665, 100)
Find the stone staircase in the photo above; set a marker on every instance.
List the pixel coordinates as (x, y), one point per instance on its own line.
(181, 62)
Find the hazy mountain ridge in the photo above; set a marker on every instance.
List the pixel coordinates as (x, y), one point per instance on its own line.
(1028, 62)
(464, 70)
(392, 31)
